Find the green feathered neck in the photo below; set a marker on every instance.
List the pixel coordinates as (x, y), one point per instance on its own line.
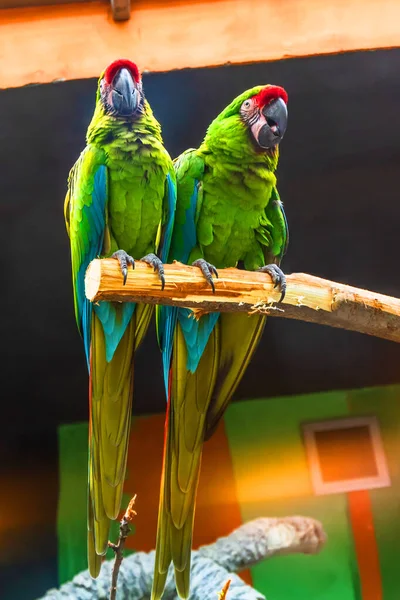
(229, 136)
(103, 127)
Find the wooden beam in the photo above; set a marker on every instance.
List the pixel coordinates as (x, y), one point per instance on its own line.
(43, 44)
(308, 298)
(26, 3)
(121, 9)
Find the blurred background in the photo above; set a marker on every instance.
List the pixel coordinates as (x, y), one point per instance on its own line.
(338, 179)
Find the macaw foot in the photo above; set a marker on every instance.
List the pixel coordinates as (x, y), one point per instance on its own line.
(124, 260)
(153, 260)
(208, 271)
(277, 276)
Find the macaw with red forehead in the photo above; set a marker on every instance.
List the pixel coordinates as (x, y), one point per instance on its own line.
(228, 214)
(120, 203)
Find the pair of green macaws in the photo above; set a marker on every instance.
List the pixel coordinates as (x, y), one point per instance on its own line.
(213, 207)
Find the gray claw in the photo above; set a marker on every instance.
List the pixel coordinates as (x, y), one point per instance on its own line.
(278, 277)
(208, 271)
(153, 260)
(124, 260)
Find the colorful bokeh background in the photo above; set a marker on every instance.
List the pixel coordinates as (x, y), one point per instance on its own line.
(256, 465)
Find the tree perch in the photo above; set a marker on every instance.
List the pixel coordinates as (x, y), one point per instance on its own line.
(308, 298)
(212, 566)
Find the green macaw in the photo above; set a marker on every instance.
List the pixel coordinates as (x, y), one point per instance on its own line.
(228, 214)
(121, 194)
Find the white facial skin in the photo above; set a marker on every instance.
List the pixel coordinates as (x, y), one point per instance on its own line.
(252, 115)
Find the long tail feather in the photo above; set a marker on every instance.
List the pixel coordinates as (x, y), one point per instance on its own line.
(111, 390)
(94, 559)
(182, 582)
(197, 401)
(240, 335)
(190, 394)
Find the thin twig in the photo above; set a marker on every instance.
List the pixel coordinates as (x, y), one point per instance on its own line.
(118, 548)
(224, 591)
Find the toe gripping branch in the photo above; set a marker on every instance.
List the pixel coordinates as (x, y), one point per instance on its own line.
(208, 271)
(124, 260)
(153, 260)
(278, 277)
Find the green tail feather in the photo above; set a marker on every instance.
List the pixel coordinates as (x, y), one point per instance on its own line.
(111, 390)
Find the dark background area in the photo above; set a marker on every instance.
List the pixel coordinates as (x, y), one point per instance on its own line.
(339, 180)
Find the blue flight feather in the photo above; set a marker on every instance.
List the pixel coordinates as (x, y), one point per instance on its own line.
(196, 332)
(171, 200)
(114, 319)
(166, 315)
(94, 214)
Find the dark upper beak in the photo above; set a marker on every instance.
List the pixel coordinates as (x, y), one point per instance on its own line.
(125, 96)
(276, 115)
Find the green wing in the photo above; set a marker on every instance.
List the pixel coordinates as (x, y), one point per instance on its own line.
(276, 230)
(85, 211)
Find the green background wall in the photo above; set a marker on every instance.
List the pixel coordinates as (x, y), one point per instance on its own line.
(272, 479)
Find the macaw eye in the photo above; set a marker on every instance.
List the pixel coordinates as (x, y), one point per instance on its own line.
(246, 104)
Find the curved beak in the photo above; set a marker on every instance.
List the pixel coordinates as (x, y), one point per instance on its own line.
(125, 95)
(276, 116)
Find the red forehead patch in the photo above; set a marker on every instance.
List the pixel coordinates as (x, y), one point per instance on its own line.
(122, 63)
(269, 93)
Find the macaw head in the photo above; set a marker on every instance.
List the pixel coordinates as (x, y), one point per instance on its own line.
(254, 123)
(120, 90)
(265, 115)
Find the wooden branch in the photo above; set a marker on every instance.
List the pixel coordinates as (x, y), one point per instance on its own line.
(308, 298)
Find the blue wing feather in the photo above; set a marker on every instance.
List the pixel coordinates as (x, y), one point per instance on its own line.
(94, 215)
(196, 332)
(188, 239)
(171, 205)
(115, 320)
